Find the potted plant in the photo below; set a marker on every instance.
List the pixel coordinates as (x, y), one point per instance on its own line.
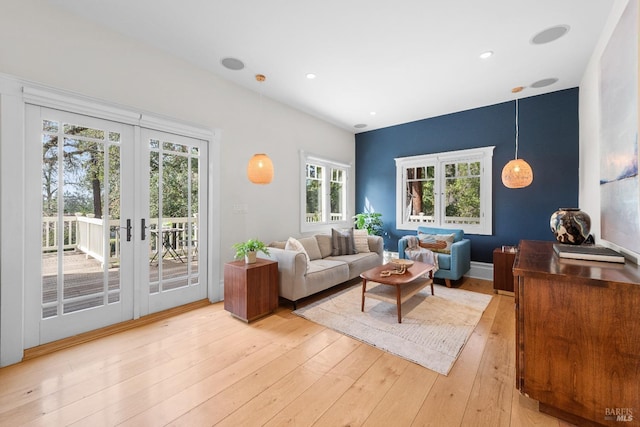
(249, 249)
(371, 221)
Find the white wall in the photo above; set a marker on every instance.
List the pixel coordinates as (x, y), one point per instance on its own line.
(44, 45)
(589, 113)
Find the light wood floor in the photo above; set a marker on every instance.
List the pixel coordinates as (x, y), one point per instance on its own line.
(205, 368)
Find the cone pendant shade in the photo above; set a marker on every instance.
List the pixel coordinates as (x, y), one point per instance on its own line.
(260, 169)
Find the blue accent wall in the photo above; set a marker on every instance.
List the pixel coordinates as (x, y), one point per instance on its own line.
(548, 141)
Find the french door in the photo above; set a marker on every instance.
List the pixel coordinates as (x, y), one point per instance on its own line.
(116, 219)
(174, 205)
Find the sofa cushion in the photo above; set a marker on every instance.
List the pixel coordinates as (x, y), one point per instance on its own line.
(433, 238)
(361, 241)
(324, 273)
(294, 244)
(311, 246)
(358, 263)
(324, 243)
(342, 242)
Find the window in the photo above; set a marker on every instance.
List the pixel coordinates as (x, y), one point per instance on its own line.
(324, 193)
(448, 190)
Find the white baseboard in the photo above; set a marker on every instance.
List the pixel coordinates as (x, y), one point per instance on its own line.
(481, 270)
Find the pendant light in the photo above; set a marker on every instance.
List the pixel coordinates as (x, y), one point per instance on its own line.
(260, 167)
(517, 173)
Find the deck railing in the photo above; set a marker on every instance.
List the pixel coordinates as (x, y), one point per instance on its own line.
(314, 217)
(86, 234)
(50, 233)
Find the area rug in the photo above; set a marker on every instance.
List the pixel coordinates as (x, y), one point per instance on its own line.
(433, 331)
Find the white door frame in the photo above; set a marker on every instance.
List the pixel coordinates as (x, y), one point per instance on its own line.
(14, 94)
(37, 330)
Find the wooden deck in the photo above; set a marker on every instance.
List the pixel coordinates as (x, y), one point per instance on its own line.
(84, 280)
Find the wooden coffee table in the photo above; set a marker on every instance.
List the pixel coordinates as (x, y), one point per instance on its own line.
(406, 285)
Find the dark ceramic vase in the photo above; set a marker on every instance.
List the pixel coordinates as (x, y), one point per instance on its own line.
(570, 225)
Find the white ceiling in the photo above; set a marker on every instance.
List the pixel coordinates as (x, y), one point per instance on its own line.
(405, 60)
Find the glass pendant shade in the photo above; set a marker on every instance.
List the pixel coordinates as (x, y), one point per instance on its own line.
(517, 174)
(260, 169)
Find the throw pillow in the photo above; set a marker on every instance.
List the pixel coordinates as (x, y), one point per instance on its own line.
(295, 245)
(342, 242)
(437, 242)
(310, 245)
(361, 240)
(325, 245)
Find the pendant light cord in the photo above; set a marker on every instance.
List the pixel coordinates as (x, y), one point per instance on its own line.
(260, 78)
(516, 128)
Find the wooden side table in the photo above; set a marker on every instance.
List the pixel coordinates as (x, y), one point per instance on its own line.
(503, 270)
(251, 290)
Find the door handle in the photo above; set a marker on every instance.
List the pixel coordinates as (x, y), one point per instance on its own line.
(143, 232)
(128, 230)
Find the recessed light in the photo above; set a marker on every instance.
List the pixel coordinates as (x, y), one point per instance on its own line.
(360, 126)
(232, 64)
(311, 76)
(550, 34)
(373, 113)
(487, 54)
(544, 82)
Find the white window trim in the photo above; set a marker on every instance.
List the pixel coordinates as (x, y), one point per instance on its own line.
(484, 155)
(306, 227)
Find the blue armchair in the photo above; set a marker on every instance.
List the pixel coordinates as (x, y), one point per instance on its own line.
(452, 266)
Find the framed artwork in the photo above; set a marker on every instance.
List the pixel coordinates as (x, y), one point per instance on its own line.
(619, 186)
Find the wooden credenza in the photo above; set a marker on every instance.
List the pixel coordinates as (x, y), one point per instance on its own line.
(251, 290)
(578, 336)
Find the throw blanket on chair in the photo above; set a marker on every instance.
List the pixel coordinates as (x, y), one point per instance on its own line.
(417, 253)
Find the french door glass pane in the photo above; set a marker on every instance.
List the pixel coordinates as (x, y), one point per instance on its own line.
(80, 227)
(114, 221)
(192, 235)
(173, 210)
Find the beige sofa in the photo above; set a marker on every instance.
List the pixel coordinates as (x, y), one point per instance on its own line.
(299, 278)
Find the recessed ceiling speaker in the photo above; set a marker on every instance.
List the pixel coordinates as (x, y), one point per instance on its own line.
(232, 64)
(544, 82)
(550, 34)
(360, 126)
